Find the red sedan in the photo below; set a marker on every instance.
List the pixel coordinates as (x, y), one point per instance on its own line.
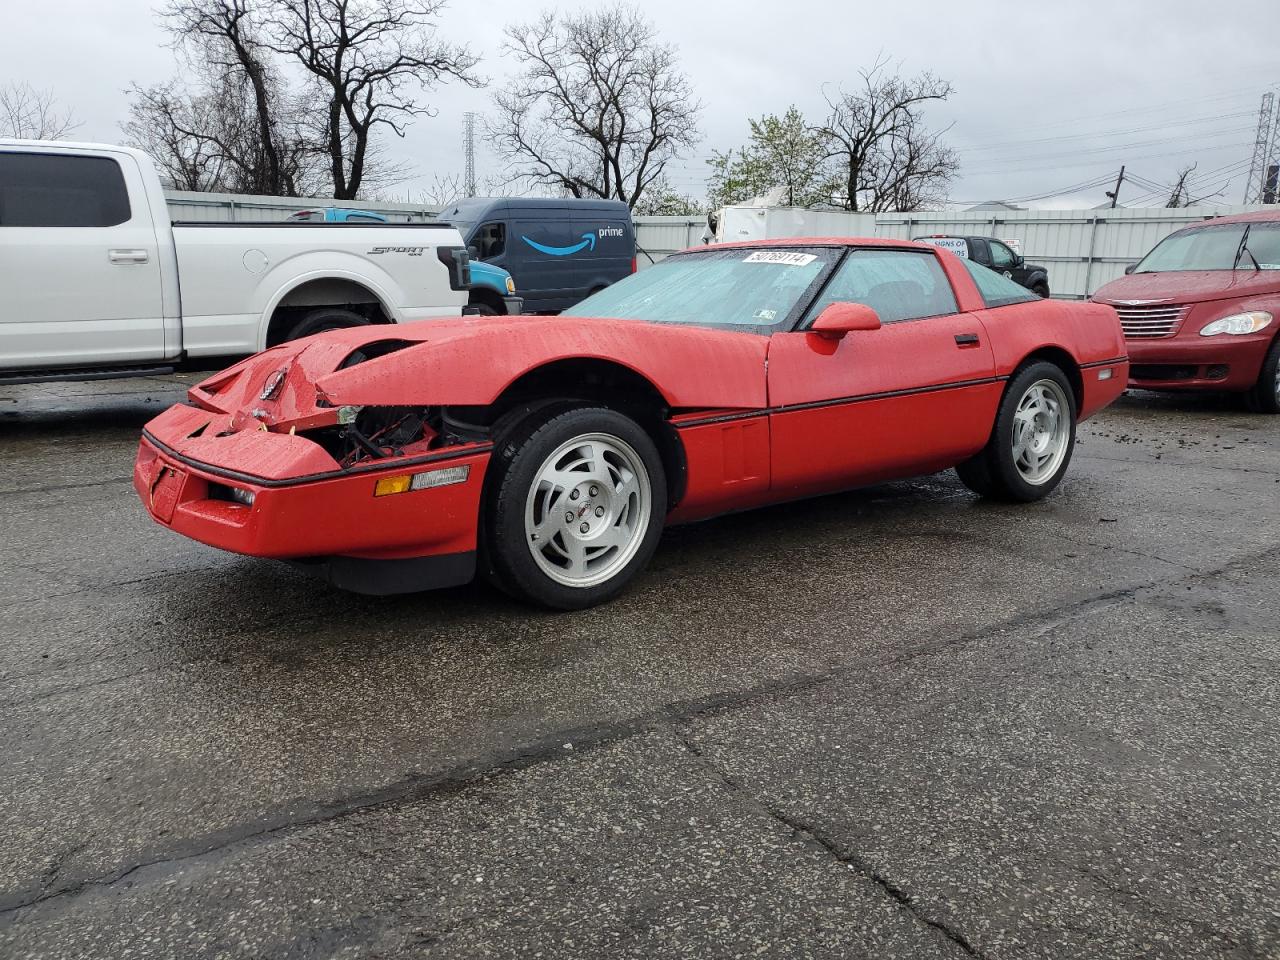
(551, 451)
(1199, 311)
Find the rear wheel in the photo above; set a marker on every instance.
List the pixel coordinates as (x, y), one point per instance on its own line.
(324, 319)
(575, 508)
(1265, 395)
(1033, 438)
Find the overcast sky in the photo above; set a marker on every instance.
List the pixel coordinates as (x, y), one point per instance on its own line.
(1047, 95)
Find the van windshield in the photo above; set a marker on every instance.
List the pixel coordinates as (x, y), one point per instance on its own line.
(1216, 247)
(755, 289)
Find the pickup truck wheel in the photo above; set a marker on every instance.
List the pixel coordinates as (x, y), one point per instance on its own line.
(1040, 290)
(324, 319)
(1265, 395)
(575, 507)
(1032, 441)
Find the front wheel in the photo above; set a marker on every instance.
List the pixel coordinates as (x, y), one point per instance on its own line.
(1265, 395)
(574, 509)
(1033, 438)
(1041, 290)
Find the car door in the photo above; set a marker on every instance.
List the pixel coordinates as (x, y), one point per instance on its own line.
(1007, 263)
(79, 264)
(916, 396)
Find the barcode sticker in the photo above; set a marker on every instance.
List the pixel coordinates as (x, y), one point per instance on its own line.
(788, 257)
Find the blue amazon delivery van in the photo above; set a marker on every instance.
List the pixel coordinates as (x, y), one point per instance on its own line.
(557, 251)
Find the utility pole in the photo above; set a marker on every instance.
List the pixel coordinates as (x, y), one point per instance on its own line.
(1263, 150)
(469, 139)
(1115, 194)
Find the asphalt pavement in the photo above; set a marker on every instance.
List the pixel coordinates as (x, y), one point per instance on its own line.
(899, 722)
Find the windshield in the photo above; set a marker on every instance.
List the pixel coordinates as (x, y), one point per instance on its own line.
(754, 289)
(1215, 247)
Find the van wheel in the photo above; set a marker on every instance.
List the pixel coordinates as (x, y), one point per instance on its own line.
(574, 509)
(325, 319)
(1033, 438)
(1265, 395)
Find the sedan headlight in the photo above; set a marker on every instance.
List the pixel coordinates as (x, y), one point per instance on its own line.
(1238, 324)
(511, 285)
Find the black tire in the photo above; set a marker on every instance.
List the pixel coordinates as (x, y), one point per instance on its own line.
(1264, 397)
(485, 308)
(1041, 290)
(994, 473)
(514, 469)
(323, 319)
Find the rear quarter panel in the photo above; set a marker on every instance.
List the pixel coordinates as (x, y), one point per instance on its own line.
(233, 278)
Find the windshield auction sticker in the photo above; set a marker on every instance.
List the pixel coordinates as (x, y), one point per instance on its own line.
(788, 257)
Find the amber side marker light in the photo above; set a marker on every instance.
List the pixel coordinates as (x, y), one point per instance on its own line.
(421, 481)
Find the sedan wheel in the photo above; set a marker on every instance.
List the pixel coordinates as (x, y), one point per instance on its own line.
(1265, 395)
(574, 506)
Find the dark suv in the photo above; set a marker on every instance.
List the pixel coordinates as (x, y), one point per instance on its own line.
(996, 256)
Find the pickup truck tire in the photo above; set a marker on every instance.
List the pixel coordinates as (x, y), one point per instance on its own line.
(1041, 290)
(325, 318)
(1265, 395)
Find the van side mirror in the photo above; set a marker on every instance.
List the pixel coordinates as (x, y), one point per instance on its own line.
(838, 319)
(1130, 268)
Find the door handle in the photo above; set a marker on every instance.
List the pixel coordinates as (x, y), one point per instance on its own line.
(127, 256)
(967, 340)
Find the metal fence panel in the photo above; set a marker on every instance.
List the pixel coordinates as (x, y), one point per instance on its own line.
(1082, 249)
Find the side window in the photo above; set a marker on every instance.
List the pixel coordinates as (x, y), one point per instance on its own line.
(998, 290)
(978, 250)
(48, 190)
(897, 284)
(1002, 257)
(491, 240)
(365, 218)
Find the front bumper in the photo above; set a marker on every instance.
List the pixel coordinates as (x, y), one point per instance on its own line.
(333, 521)
(1191, 362)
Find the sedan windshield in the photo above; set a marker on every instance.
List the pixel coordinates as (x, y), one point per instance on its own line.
(1216, 247)
(754, 289)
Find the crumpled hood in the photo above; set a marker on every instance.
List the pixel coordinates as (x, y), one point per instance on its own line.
(1192, 286)
(469, 361)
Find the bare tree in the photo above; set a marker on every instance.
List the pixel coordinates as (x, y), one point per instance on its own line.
(30, 114)
(369, 60)
(600, 107)
(181, 133)
(887, 158)
(1180, 196)
(443, 191)
(223, 42)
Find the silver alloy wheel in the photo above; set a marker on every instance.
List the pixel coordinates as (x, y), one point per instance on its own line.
(1041, 431)
(587, 510)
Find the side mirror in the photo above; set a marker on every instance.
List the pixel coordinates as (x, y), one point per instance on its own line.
(473, 251)
(1130, 268)
(837, 319)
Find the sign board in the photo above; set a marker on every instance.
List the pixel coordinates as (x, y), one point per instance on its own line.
(957, 245)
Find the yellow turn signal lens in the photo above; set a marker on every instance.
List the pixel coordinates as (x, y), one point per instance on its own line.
(389, 485)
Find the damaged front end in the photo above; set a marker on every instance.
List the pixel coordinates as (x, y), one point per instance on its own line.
(260, 461)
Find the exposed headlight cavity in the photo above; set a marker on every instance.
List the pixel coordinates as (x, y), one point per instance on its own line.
(1238, 324)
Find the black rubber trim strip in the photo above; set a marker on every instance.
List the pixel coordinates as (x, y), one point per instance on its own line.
(837, 402)
(258, 481)
(1103, 363)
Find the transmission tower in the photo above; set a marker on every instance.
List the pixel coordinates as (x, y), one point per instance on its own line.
(469, 136)
(1262, 150)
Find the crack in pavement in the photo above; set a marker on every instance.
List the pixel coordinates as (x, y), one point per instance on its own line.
(812, 836)
(1200, 926)
(550, 748)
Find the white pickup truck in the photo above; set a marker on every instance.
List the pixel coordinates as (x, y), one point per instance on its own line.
(95, 282)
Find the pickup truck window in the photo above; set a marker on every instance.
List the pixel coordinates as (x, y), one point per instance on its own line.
(48, 190)
(1002, 258)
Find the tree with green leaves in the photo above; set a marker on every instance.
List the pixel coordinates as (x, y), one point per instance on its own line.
(782, 152)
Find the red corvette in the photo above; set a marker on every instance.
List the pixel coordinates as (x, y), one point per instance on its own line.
(554, 449)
